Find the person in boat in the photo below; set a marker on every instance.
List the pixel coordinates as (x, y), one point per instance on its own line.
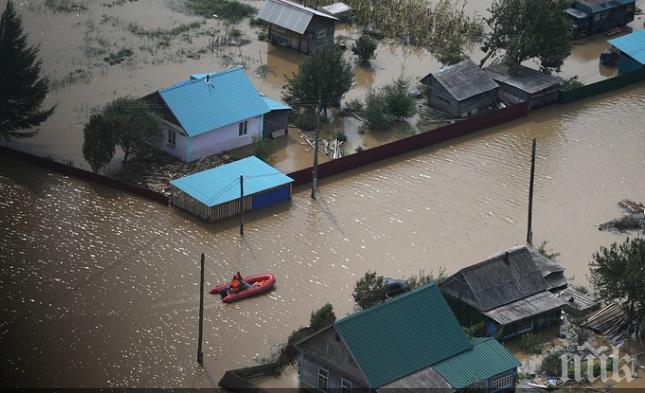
(238, 284)
(243, 284)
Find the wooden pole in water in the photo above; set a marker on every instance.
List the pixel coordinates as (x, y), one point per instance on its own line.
(200, 354)
(241, 205)
(529, 230)
(314, 180)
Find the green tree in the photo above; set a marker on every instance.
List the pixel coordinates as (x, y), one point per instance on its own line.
(98, 145)
(323, 317)
(528, 29)
(376, 111)
(369, 290)
(136, 129)
(322, 79)
(424, 278)
(547, 252)
(450, 51)
(364, 48)
(618, 272)
(399, 104)
(22, 90)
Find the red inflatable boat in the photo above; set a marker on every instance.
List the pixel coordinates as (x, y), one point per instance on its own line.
(259, 283)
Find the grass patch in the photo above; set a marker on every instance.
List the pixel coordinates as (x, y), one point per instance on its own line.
(136, 29)
(64, 6)
(72, 77)
(230, 10)
(119, 57)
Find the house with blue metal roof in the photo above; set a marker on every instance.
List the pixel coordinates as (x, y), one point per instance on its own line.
(631, 51)
(210, 113)
(598, 16)
(223, 191)
(412, 341)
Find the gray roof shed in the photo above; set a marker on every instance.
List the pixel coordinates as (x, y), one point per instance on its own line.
(523, 78)
(463, 80)
(289, 15)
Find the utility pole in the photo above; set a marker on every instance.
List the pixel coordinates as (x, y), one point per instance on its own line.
(200, 354)
(529, 230)
(241, 205)
(314, 180)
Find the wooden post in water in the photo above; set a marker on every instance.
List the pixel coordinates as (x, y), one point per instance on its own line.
(314, 179)
(529, 229)
(200, 354)
(241, 205)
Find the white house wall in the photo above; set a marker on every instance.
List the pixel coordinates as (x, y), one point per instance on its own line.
(223, 139)
(179, 150)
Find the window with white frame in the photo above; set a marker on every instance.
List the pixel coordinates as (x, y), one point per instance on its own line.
(323, 379)
(502, 381)
(346, 386)
(244, 128)
(172, 137)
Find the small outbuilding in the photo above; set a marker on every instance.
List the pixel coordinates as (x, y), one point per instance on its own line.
(461, 89)
(338, 10)
(298, 27)
(508, 292)
(631, 49)
(215, 194)
(276, 122)
(598, 16)
(523, 84)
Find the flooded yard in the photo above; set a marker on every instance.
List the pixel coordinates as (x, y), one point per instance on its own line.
(159, 42)
(101, 287)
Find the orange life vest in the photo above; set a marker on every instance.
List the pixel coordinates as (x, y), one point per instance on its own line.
(235, 284)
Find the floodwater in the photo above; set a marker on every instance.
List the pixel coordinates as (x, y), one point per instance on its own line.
(77, 43)
(100, 287)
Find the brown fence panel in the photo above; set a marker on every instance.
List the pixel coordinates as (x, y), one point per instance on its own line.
(405, 145)
(603, 86)
(87, 175)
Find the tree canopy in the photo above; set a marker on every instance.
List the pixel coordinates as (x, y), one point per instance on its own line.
(22, 90)
(323, 77)
(528, 29)
(98, 144)
(364, 48)
(618, 272)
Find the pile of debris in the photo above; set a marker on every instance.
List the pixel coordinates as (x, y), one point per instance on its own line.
(609, 321)
(634, 218)
(155, 173)
(334, 148)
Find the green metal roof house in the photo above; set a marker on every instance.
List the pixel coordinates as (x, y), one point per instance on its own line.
(412, 341)
(211, 113)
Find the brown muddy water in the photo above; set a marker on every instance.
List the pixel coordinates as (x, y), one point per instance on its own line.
(100, 287)
(73, 46)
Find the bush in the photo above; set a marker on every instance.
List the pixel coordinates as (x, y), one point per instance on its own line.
(476, 330)
(369, 290)
(306, 120)
(422, 278)
(552, 365)
(364, 48)
(530, 344)
(399, 104)
(354, 105)
(230, 10)
(376, 111)
(323, 317)
(547, 253)
(572, 84)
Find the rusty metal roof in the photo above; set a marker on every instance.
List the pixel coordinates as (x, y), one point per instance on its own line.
(288, 15)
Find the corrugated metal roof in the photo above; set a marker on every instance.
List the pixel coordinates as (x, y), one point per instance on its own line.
(464, 80)
(288, 15)
(486, 359)
(275, 105)
(221, 184)
(632, 44)
(337, 8)
(403, 335)
(425, 381)
(227, 98)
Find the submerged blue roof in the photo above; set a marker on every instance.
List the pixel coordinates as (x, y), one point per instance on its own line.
(632, 44)
(211, 101)
(222, 184)
(275, 105)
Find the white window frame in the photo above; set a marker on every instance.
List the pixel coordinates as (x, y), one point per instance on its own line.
(501, 382)
(172, 138)
(346, 389)
(323, 372)
(243, 128)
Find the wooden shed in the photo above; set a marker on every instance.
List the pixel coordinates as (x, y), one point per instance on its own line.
(215, 194)
(276, 122)
(461, 89)
(298, 27)
(521, 84)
